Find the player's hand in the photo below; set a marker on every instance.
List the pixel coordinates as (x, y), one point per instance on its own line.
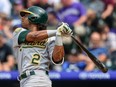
(64, 30)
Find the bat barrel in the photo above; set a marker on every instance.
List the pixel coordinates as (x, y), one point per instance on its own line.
(104, 69)
(99, 64)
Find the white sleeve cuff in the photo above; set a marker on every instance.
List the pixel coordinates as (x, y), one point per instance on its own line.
(60, 63)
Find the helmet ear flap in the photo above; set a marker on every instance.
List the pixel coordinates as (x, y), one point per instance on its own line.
(33, 18)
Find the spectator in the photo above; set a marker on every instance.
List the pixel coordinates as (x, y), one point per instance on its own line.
(112, 41)
(1, 27)
(6, 25)
(96, 47)
(3, 16)
(91, 24)
(5, 7)
(111, 64)
(97, 6)
(6, 55)
(92, 20)
(109, 37)
(107, 13)
(72, 13)
(52, 18)
(86, 2)
(72, 64)
(77, 61)
(74, 57)
(104, 31)
(17, 6)
(53, 1)
(43, 4)
(114, 15)
(29, 3)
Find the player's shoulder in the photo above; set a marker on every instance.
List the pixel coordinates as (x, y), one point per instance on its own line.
(17, 30)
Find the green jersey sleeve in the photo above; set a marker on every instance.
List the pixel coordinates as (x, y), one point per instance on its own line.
(22, 36)
(19, 36)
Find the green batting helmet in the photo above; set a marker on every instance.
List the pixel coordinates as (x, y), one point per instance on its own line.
(37, 15)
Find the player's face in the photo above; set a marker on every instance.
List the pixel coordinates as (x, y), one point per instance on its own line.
(25, 21)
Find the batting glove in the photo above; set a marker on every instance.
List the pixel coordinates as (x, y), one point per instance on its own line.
(64, 30)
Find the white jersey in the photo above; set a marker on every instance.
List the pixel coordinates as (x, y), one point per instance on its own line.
(33, 56)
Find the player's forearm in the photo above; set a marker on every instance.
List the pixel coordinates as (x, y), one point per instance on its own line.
(40, 35)
(58, 52)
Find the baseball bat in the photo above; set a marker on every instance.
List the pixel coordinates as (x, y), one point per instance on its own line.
(98, 63)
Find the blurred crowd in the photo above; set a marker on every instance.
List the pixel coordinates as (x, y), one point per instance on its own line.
(92, 21)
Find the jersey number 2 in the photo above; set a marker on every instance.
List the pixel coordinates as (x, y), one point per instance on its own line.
(35, 59)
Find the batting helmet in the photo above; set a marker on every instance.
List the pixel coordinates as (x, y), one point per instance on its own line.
(37, 15)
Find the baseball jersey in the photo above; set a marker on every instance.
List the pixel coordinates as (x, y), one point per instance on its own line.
(34, 55)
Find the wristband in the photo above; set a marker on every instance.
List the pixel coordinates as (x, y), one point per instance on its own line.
(58, 40)
(51, 33)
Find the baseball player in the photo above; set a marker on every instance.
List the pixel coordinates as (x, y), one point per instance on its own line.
(35, 47)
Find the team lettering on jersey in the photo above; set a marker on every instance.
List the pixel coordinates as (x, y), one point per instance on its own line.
(41, 44)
